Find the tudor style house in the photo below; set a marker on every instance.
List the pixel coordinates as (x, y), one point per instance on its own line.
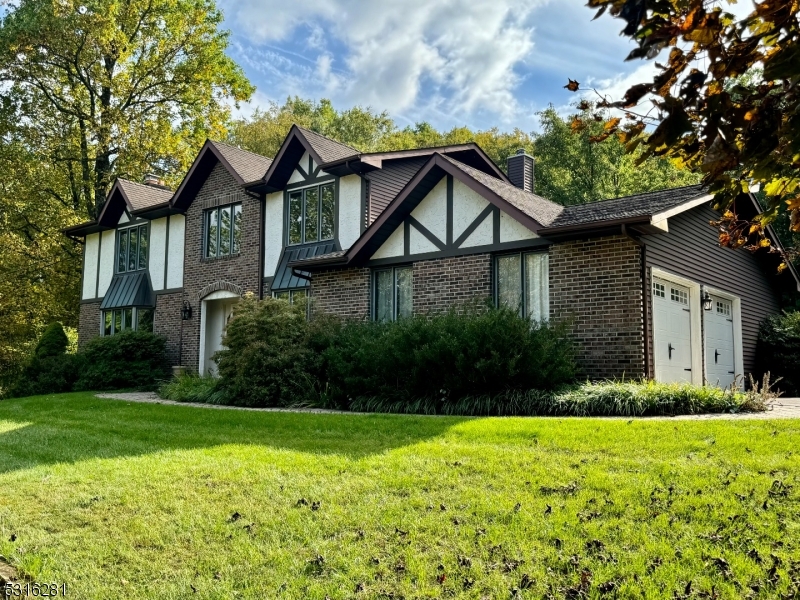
(642, 281)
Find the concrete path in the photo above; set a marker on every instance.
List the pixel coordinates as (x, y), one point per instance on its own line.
(782, 408)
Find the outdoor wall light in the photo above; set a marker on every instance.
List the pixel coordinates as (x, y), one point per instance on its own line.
(707, 301)
(186, 313)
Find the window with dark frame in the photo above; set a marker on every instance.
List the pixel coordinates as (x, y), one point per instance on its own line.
(223, 231)
(132, 245)
(312, 213)
(392, 294)
(120, 319)
(522, 282)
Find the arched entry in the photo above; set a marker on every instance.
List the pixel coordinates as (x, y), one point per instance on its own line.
(216, 310)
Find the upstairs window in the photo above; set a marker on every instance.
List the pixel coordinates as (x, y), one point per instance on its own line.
(393, 294)
(311, 214)
(523, 283)
(132, 249)
(223, 231)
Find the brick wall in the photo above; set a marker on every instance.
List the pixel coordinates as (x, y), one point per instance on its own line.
(167, 322)
(198, 273)
(445, 282)
(88, 322)
(597, 285)
(342, 292)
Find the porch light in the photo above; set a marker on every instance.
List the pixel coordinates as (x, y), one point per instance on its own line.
(186, 313)
(707, 301)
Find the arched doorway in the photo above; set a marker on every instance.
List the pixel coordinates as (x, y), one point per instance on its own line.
(215, 312)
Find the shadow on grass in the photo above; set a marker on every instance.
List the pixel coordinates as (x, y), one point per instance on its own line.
(68, 428)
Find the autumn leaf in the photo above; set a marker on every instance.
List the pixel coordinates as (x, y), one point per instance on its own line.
(577, 125)
(572, 86)
(612, 123)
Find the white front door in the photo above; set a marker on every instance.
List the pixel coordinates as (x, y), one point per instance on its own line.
(672, 331)
(217, 309)
(720, 354)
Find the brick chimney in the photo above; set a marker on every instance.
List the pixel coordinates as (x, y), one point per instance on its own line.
(520, 170)
(153, 180)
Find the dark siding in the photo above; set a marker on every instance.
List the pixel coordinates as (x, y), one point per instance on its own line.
(520, 171)
(386, 183)
(691, 249)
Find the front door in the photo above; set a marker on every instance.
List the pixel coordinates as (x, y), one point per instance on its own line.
(672, 331)
(218, 313)
(720, 358)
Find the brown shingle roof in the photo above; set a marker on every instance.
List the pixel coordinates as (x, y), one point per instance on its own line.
(540, 209)
(144, 196)
(327, 149)
(248, 165)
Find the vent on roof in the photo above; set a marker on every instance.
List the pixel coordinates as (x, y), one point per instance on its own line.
(154, 180)
(520, 170)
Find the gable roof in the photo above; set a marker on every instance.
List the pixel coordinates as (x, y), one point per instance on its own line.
(248, 166)
(326, 149)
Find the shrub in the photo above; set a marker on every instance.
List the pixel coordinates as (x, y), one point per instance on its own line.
(441, 358)
(778, 351)
(130, 359)
(266, 360)
(50, 370)
(190, 387)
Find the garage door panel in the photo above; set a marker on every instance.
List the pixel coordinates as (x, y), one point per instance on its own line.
(672, 332)
(719, 342)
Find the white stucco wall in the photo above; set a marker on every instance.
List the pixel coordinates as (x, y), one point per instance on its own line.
(123, 219)
(467, 205)
(90, 251)
(349, 210)
(108, 259)
(432, 211)
(158, 252)
(177, 227)
(392, 246)
(273, 232)
(483, 234)
(418, 243)
(512, 230)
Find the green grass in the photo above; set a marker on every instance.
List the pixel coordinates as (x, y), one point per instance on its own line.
(124, 500)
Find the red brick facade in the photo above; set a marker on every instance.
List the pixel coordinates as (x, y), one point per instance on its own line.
(445, 282)
(167, 322)
(88, 322)
(596, 285)
(343, 292)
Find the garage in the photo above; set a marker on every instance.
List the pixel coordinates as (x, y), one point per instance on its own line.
(672, 331)
(720, 347)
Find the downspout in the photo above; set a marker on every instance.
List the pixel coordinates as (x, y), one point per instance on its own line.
(645, 303)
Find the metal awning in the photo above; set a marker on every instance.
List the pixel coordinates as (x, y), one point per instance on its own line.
(129, 289)
(284, 278)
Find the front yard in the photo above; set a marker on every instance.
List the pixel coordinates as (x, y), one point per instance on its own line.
(124, 500)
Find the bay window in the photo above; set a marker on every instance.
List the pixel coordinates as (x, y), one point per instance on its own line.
(392, 294)
(311, 214)
(223, 231)
(132, 249)
(120, 319)
(291, 296)
(523, 283)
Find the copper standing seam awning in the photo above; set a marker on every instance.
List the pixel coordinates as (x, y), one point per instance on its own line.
(129, 289)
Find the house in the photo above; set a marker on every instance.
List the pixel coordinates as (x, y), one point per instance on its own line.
(642, 281)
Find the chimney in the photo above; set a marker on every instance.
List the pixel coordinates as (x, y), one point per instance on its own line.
(153, 180)
(520, 170)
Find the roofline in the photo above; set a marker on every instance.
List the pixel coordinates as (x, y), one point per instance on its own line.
(591, 225)
(310, 263)
(207, 146)
(84, 229)
(294, 132)
(437, 160)
(683, 207)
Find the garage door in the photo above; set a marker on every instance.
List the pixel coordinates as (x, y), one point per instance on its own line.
(720, 359)
(672, 332)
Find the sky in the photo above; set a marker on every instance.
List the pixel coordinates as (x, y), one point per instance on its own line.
(479, 63)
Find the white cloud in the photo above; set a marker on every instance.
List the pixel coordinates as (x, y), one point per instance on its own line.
(457, 56)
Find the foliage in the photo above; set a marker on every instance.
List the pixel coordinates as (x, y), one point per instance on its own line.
(778, 350)
(265, 360)
(130, 359)
(607, 398)
(190, 387)
(442, 358)
(716, 113)
(573, 169)
(49, 370)
(53, 342)
(209, 504)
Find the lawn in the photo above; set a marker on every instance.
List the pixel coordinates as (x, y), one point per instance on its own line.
(123, 500)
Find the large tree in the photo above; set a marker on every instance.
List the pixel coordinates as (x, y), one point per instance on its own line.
(725, 100)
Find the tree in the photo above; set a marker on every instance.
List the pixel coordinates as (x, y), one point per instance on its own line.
(116, 88)
(741, 135)
(571, 168)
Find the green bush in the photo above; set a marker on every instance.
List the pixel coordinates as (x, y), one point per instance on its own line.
(130, 359)
(778, 351)
(50, 370)
(607, 398)
(266, 360)
(471, 351)
(190, 387)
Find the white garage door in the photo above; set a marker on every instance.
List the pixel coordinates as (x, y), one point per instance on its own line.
(720, 359)
(672, 331)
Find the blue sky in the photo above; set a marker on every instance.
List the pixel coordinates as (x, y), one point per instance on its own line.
(480, 63)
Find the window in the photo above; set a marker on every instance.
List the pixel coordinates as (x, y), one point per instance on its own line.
(223, 229)
(120, 319)
(311, 214)
(677, 295)
(724, 308)
(522, 282)
(659, 290)
(393, 293)
(132, 249)
(291, 296)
